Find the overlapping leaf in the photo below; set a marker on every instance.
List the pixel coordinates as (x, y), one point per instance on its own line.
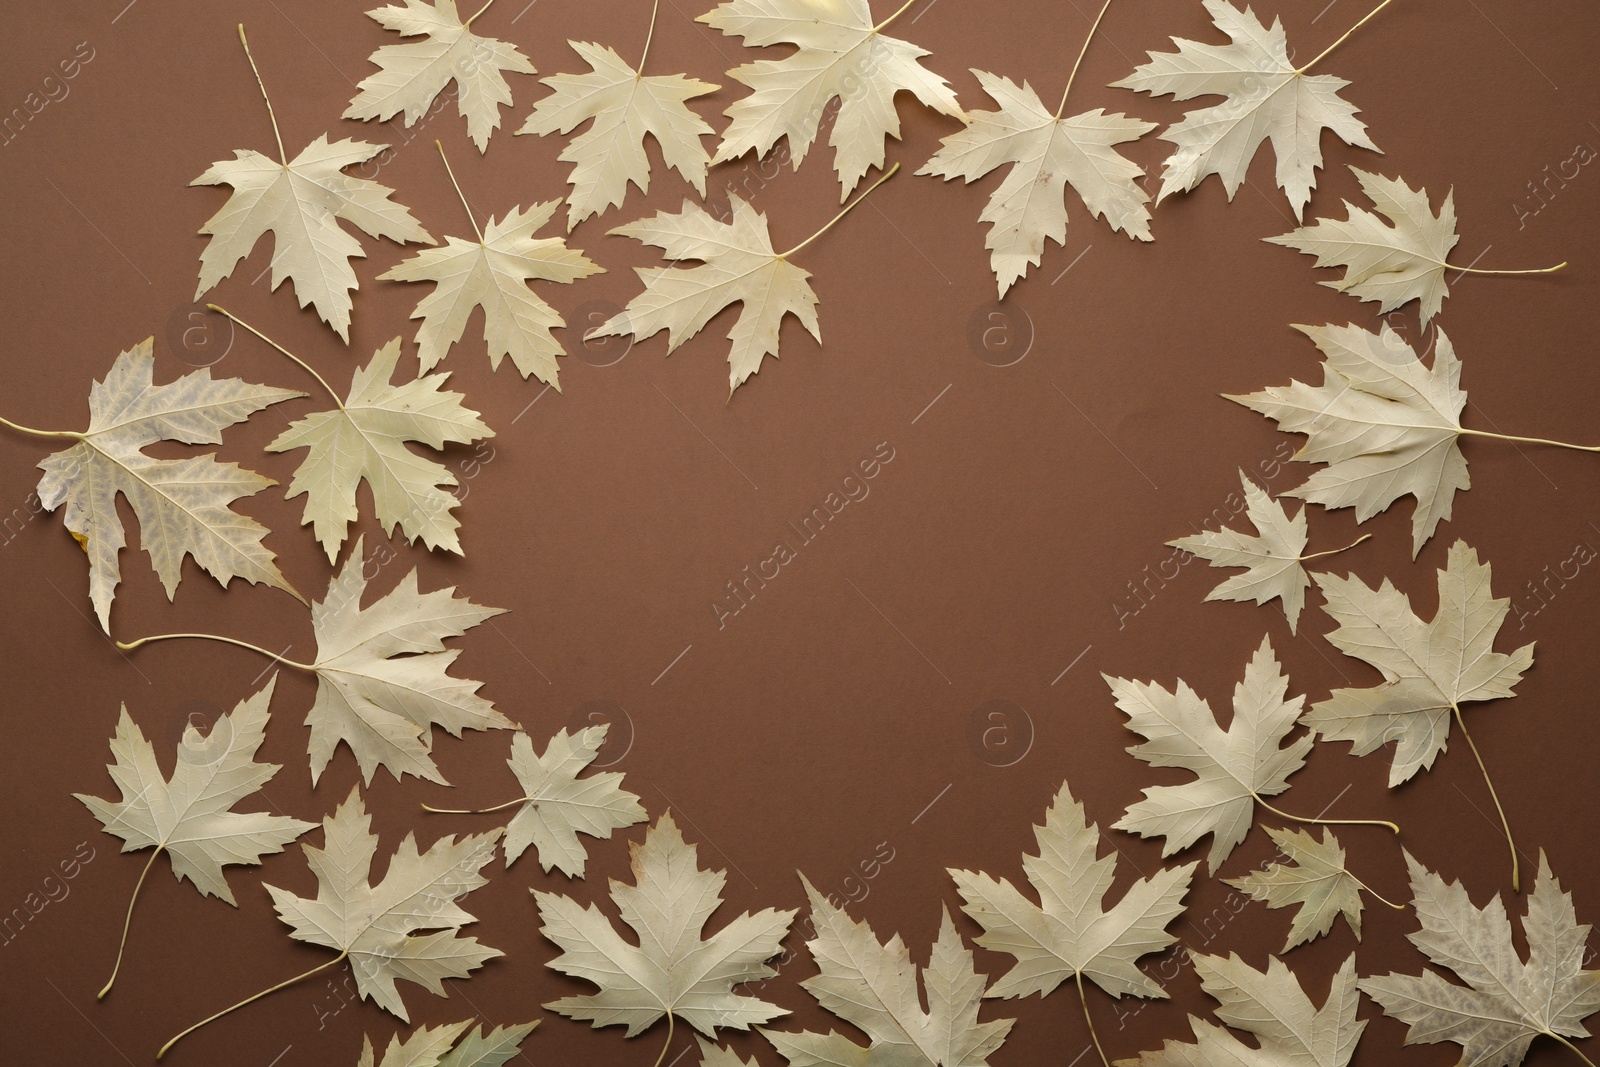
(1314, 881)
(1271, 556)
(1233, 768)
(435, 1046)
(365, 438)
(183, 505)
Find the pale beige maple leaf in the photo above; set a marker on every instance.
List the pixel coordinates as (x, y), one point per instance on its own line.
(1389, 263)
(301, 201)
(190, 815)
(673, 970)
(364, 439)
(406, 925)
(1268, 98)
(558, 805)
(1070, 934)
(183, 505)
(841, 54)
(1046, 153)
(383, 677)
(873, 987)
(1272, 556)
(1234, 768)
(493, 273)
(435, 1046)
(622, 106)
(719, 1056)
(1314, 880)
(1271, 1006)
(1506, 1002)
(1386, 425)
(737, 265)
(1429, 668)
(412, 75)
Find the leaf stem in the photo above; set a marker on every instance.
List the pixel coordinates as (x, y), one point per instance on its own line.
(1321, 55)
(1078, 976)
(308, 368)
(1481, 270)
(1516, 868)
(477, 811)
(340, 958)
(459, 193)
(890, 173)
(1531, 440)
(283, 157)
(648, 37)
(127, 919)
(1081, 53)
(129, 646)
(42, 433)
(668, 1045)
(1373, 892)
(901, 10)
(1576, 1050)
(1324, 822)
(1336, 551)
(475, 14)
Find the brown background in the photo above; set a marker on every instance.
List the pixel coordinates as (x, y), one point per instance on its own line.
(992, 552)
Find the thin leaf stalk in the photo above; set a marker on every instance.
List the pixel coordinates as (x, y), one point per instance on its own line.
(1062, 110)
(1324, 53)
(477, 811)
(129, 646)
(1336, 551)
(308, 368)
(1505, 825)
(283, 157)
(1324, 822)
(127, 920)
(340, 958)
(890, 173)
(1093, 1034)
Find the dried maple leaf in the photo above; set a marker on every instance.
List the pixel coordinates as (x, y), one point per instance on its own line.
(1045, 152)
(873, 987)
(411, 75)
(189, 816)
(182, 504)
(406, 926)
(557, 805)
(1234, 768)
(1314, 880)
(493, 273)
(1070, 934)
(1386, 425)
(622, 106)
(717, 1056)
(382, 674)
(1270, 1005)
(672, 971)
(365, 438)
(1506, 1003)
(1393, 262)
(435, 1046)
(1268, 98)
(301, 201)
(840, 55)
(1429, 668)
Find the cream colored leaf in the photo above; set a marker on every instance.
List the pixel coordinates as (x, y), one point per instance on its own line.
(672, 968)
(411, 75)
(1429, 668)
(431, 1046)
(840, 54)
(1506, 1003)
(622, 107)
(365, 438)
(1046, 153)
(492, 273)
(738, 265)
(190, 815)
(1315, 880)
(1386, 425)
(1271, 556)
(1390, 262)
(182, 504)
(1070, 933)
(301, 202)
(559, 805)
(718, 1056)
(1267, 99)
(873, 986)
(1233, 768)
(1271, 1006)
(406, 926)
(382, 674)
